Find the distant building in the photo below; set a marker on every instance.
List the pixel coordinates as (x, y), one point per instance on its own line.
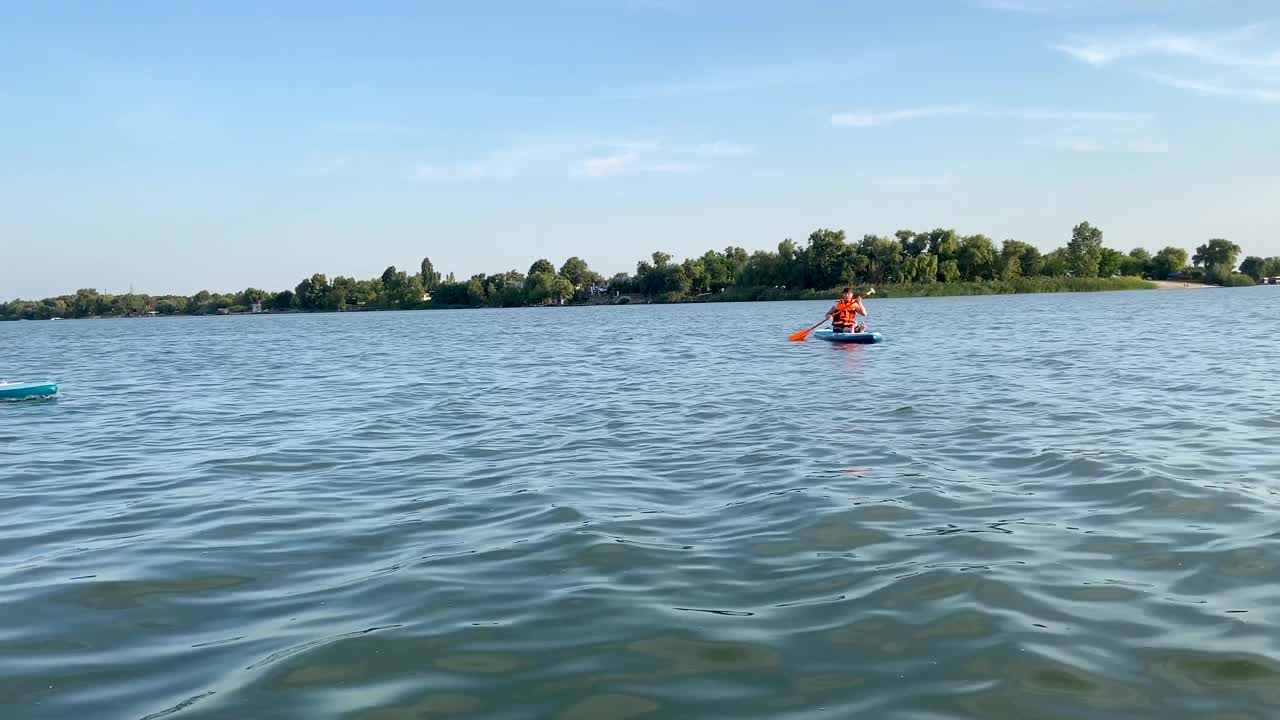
(256, 307)
(1271, 280)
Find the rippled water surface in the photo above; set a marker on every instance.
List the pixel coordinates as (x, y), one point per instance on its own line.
(1057, 506)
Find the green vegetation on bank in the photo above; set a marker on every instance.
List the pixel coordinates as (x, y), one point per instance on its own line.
(907, 264)
(1020, 285)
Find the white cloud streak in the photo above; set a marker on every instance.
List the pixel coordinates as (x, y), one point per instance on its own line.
(1078, 130)
(742, 79)
(606, 165)
(1239, 61)
(877, 119)
(1227, 48)
(724, 149)
(1204, 88)
(577, 156)
(672, 168)
(933, 181)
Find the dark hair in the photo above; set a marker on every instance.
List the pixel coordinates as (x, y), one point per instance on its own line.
(845, 291)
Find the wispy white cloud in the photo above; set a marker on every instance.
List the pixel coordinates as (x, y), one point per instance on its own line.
(1104, 142)
(1205, 88)
(1079, 7)
(926, 181)
(1079, 130)
(876, 119)
(724, 149)
(1031, 7)
(1236, 62)
(1230, 48)
(573, 156)
(743, 79)
(672, 168)
(606, 165)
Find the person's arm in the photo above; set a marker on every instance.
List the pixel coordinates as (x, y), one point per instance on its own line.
(862, 308)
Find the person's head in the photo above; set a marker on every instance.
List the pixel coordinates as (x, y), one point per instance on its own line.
(847, 293)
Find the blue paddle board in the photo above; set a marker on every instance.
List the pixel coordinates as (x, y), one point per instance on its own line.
(22, 391)
(862, 338)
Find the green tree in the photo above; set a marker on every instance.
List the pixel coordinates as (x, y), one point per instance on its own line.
(576, 271)
(949, 271)
(945, 244)
(1216, 252)
(476, 291)
(1218, 258)
(920, 269)
(1018, 259)
(541, 266)
(1254, 267)
(1109, 262)
(540, 287)
(1137, 262)
(1272, 268)
(562, 289)
(884, 257)
(825, 258)
(430, 278)
(1168, 261)
(1055, 264)
(977, 258)
(1084, 250)
(311, 293)
(341, 293)
(621, 283)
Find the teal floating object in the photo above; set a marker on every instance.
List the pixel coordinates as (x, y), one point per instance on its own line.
(862, 338)
(22, 391)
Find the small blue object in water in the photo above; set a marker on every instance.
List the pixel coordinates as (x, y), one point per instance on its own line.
(22, 391)
(862, 338)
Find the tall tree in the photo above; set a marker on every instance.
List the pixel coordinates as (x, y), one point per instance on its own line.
(576, 271)
(430, 278)
(1168, 261)
(1217, 253)
(1084, 251)
(1137, 262)
(1272, 268)
(1019, 259)
(977, 258)
(1109, 262)
(825, 256)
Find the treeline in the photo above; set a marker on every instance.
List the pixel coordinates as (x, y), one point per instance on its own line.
(936, 262)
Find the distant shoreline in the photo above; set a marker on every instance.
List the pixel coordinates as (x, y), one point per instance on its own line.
(1180, 285)
(1016, 286)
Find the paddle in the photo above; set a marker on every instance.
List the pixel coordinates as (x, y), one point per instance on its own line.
(801, 335)
(798, 336)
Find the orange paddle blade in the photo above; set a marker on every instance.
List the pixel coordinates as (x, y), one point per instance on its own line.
(798, 336)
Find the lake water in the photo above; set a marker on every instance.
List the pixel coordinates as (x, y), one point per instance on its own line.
(1049, 506)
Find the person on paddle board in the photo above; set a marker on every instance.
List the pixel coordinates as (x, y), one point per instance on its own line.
(844, 314)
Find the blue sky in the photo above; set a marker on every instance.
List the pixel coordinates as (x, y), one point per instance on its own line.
(188, 146)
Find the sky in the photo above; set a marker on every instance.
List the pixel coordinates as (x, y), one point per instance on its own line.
(174, 147)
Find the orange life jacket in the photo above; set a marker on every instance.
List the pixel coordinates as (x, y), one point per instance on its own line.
(846, 312)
